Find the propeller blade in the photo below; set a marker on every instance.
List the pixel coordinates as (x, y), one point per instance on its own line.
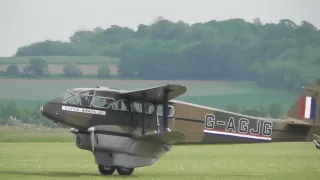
(316, 144)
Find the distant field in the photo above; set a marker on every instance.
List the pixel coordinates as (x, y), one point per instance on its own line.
(61, 59)
(87, 64)
(275, 161)
(87, 69)
(212, 93)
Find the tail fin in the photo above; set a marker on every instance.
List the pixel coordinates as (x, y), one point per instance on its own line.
(305, 111)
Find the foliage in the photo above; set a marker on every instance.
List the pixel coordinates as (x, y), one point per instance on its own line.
(37, 67)
(72, 70)
(104, 71)
(25, 115)
(12, 70)
(61, 59)
(275, 110)
(279, 55)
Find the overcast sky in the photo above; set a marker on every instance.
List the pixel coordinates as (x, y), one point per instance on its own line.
(26, 21)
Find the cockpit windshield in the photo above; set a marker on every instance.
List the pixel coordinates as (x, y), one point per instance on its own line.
(78, 97)
(66, 95)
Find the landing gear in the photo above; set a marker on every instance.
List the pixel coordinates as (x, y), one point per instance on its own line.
(124, 171)
(109, 170)
(106, 170)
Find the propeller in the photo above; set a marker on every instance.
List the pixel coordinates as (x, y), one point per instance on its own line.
(316, 144)
(91, 130)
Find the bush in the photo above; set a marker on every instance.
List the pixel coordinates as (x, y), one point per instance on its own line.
(275, 110)
(72, 70)
(12, 70)
(104, 71)
(37, 67)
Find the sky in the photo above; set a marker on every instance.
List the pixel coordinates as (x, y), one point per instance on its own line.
(23, 22)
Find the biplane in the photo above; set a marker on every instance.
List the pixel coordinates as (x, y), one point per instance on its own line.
(130, 129)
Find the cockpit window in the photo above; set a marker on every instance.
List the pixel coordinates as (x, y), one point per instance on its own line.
(88, 93)
(84, 98)
(102, 102)
(75, 100)
(66, 96)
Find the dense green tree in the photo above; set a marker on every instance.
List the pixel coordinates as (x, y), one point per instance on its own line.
(72, 70)
(279, 55)
(104, 71)
(37, 67)
(275, 110)
(12, 70)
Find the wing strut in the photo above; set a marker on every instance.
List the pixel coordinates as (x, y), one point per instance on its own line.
(165, 110)
(143, 111)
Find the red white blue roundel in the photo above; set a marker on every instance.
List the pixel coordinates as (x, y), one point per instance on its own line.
(308, 107)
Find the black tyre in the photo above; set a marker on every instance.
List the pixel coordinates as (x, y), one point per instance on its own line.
(106, 170)
(124, 171)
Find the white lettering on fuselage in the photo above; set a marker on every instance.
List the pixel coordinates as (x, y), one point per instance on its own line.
(83, 110)
(254, 129)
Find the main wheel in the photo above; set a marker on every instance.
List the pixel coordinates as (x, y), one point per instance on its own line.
(124, 171)
(106, 170)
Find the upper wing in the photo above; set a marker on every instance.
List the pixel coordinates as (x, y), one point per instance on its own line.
(169, 138)
(156, 93)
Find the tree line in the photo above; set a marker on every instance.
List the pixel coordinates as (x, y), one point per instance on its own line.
(278, 55)
(38, 67)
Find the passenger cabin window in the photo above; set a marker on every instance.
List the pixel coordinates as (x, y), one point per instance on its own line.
(160, 110)
(102, 102)
(137, 107)
(120, 105)
(150, 108)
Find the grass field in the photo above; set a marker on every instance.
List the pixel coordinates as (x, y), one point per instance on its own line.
(283, 161)
(211, 93)
(61, 59)
(21, 134)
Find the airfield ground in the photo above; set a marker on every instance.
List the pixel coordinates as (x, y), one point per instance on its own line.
(283, 161)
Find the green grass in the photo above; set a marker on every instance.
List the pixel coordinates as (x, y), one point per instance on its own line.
(32, 134)
(61, 59)
(283, 161)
